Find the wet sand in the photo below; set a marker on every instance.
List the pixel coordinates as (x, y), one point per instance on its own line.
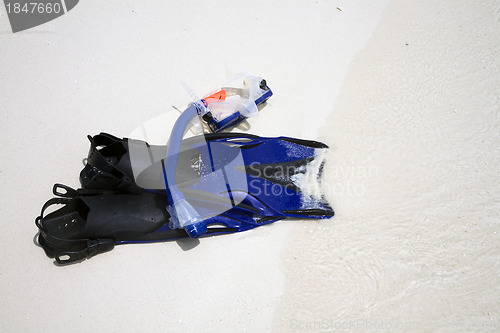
(413, 173)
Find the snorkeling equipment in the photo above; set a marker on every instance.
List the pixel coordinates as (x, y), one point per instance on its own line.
(213, 183)
(229, 106)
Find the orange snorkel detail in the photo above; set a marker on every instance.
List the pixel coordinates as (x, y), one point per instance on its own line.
(218, 96)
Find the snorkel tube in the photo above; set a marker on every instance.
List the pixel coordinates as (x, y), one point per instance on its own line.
(239, 105)
(182, 214)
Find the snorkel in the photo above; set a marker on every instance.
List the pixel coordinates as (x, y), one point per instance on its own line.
(182, 214)
(224, 108)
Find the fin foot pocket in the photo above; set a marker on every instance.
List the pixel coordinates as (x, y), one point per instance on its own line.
(90, 222)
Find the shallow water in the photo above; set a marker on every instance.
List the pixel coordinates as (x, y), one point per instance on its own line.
(413, 175)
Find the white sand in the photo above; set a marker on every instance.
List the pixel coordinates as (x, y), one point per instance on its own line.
(414, 134)
(414, 177)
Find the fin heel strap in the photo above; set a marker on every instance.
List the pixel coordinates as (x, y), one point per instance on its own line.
(96, 159)
(65, 191)
(93, 247)
(90, 247)
(105, 171)
(53, 201)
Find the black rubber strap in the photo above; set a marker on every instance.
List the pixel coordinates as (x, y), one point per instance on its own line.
(64, 191)
(93, 247)
(105, 171)
(53, 201)
(96, 159)
(90, 247)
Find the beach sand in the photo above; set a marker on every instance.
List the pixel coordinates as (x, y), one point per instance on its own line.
(413, 173)
(406, 96)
